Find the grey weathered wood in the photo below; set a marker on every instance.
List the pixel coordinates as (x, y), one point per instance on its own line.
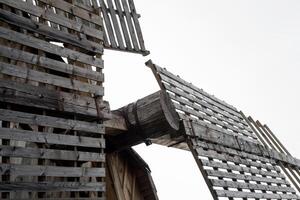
(231, 184)
(115, 23)
(191, 88)
(48, 138)
(123, 25)
(238, 194)
(137, 24)
(210, 114)
(52, 33)
(149, 117)
(48, 47)
(33, 170)
(42, 97)
(240, 168)
(42, 120)
(49, 63)
(75, 10)
(239, 143)
(51, 186)
(244, 177)
(28, 74)
(130, 25)
(49, 15)
(14, 151)
(108, 25)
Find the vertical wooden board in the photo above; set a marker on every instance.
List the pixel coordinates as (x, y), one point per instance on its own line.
(122, 26)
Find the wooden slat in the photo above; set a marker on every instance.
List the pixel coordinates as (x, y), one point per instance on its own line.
(238, 194)
(49, 63)
(108, 25)
(51, 186)
(28, 74)
(123, 25)
(209, 98)
(244, 177)
(42, 97)
(48, 138)
(249, 186)
(48, 47)
(75, 10)
(240, 168)
(207, 112)
(14, 151)
(130, 25)
(212, 120)
(52, 33)
(232, 152)
(42, 120)
(51, 16)
(115, 23)
(235, 159)
(136, 24)
(33, 170)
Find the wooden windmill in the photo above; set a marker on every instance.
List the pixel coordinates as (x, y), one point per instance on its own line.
(60, 140)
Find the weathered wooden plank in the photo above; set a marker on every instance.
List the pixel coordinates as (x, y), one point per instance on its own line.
(48, 14)
(137, 24)
(209, 98)
(123, 25)
(130, 25)
(238, 194)
(113, 16)
(235, 159)
(42, 120)
(52, 33)
(42, 97)
(241, 169)
(242, 145)
(51, 186)
(202, 116)
(49, 63)
(245, 177)
(34, 170)
(208, 112)
(189, 91)
(48, 47)
(25, 73)
(48, 138)
(75, 10)
(108, 25)
(233, 152)
(14, 151)
(249, 186)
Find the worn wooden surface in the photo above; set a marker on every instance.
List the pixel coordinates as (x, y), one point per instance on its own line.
(51, 106)
(193, 103)
(129, 177)
(150, 117)
(122, 27)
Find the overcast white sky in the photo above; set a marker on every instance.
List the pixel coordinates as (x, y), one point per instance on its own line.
(245, 52)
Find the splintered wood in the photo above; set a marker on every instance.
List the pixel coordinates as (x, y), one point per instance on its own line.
(121, 26)
(51, 108)
(238, 158)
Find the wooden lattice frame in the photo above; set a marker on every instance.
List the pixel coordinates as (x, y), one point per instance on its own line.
(122, 27)
(52, 136)
(234, 159)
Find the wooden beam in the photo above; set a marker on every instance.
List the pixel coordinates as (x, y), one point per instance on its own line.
(149, 117)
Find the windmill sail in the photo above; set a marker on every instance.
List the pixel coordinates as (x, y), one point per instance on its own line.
(238, 159)
(122, 29)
